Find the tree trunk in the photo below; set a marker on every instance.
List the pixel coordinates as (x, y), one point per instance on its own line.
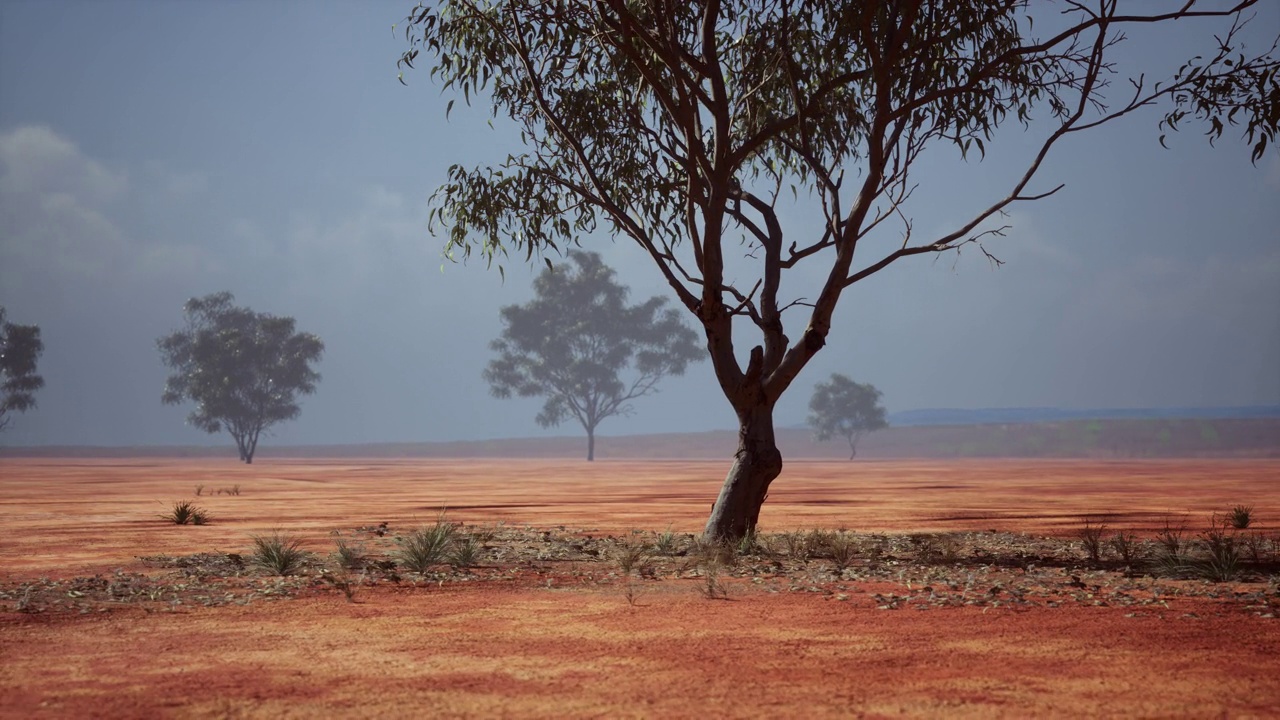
(755, 465)
(591, 444)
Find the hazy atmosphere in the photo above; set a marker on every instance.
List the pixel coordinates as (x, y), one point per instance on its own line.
(151, 152)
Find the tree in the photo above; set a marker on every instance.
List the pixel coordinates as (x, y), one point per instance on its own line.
(575, 339)
(846, 409)
(20, 347)
(677, 125)
(242, 369)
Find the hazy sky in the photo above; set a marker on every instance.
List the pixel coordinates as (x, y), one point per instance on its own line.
(154, 151)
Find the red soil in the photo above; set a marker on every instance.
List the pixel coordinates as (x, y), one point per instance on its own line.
(539, 648)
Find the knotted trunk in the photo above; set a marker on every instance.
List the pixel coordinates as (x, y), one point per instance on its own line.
(755, 466)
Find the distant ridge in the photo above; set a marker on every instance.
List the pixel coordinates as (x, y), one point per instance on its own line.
(1093, 438)
(990, 416)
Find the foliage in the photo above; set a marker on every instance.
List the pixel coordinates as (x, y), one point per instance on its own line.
(427, 546)
(1091, 539)
(350, 555)
(279, 553)
(667, 543)
(574, 342)
(1240, 516)
(186, 512)
(844, 408)
(20, 348)
(242, 369)
(464, 552)
(681, 127)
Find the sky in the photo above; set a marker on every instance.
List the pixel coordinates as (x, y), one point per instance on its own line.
(155, 151)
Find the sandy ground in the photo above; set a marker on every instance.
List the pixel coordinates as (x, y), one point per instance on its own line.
(544, 649)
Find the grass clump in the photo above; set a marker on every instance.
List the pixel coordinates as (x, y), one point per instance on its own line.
(1222, 559)
(1091, 539)
(631, 556)
(667, 543)
(279, 553)
(350, 555)
(842, 549)
(426, 547)
(464, 553)
(1126, 547)
(1240, 517)
(186, 512)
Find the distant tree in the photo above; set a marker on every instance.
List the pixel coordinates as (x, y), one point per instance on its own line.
(242, 369)
(844, 408)
(20, 347)
(713, 133)
(573, 343)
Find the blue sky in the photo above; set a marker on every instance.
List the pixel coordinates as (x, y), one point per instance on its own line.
(151, 151)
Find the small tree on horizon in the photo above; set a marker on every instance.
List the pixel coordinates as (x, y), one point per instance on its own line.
(20, 348)
(574, 340)
(844, 408)
(242, 369)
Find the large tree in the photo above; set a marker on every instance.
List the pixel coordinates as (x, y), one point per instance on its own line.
(841, 407)
(582, 347)
(679, 125)
(20, 347)
(242, 369)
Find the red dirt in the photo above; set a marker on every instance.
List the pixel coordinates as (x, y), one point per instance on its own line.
(528, 649)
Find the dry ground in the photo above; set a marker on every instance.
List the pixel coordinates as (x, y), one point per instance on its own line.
(1012, 623)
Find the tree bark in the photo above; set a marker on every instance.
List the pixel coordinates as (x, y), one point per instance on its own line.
(591, 444)
(756, 464)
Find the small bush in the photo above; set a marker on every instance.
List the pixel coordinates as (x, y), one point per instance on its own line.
(465, 552)
(631, 556)
(1222, 555)
(1240, 516)
(278, 552)
(713, 588)
(842, 547)
(1171, 540)
(426, 546)
(186, 512)
(350, 555)
(667, 543)
(1091, 539)
(199, 490)
(1256, 545)
(1126, 547)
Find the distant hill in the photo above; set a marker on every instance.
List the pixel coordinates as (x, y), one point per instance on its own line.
(1108, 438)
(988, 416)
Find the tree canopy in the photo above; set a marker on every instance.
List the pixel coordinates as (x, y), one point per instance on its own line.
(684, 126)
(582, 347)
(242, 369)
(843, 408)
(20, 348)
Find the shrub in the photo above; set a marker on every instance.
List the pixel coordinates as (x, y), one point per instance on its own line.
(278, 552)
(1222, 556)
(842, 548)
(1091, 539)
(1126, 547)
(186, 512)
(426, 546)
(1171, 540)
(667, 543)
(712, 587)
(630, 556)
(349, 555)
(1240, 516)
(465, 552)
